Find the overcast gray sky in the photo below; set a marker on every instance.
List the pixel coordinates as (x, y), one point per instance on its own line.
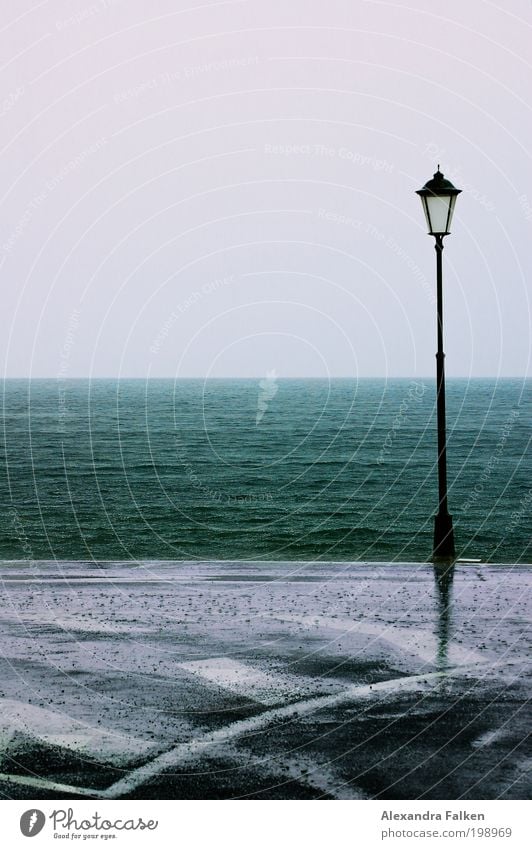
(226, 188)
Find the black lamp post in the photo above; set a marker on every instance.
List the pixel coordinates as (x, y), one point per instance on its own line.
(439, 197)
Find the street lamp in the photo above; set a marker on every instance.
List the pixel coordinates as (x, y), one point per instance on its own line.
(438, 197)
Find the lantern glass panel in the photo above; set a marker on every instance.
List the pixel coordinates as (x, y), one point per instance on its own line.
(438, 212)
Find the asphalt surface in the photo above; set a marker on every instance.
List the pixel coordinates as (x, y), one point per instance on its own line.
(270, 681)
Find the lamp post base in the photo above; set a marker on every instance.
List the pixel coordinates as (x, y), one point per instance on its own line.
(443, 538)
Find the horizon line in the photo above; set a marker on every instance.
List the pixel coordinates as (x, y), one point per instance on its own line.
(65, 379)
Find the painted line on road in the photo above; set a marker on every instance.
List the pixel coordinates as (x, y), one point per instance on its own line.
(495, 736)
(185, 752)
(266, 688)
(58, 729)
(310, 773)
(415, 641)
(46, 784)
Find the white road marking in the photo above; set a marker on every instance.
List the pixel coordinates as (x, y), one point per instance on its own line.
(300, 769)
(307, 771)
(417, 641)
(185, 752)
(267, 688)
(45, 784)
(58, 729)
(492, 737)
(291, 766)
(207, 743)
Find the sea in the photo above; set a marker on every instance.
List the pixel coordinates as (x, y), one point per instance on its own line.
(264, 469)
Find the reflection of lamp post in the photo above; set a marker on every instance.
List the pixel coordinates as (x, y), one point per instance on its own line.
(439, 197)
(443, 574)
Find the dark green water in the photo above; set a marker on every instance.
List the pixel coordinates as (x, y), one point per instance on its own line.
(336, 471)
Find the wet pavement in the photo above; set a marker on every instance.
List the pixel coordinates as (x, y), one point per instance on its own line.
(264, 680)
